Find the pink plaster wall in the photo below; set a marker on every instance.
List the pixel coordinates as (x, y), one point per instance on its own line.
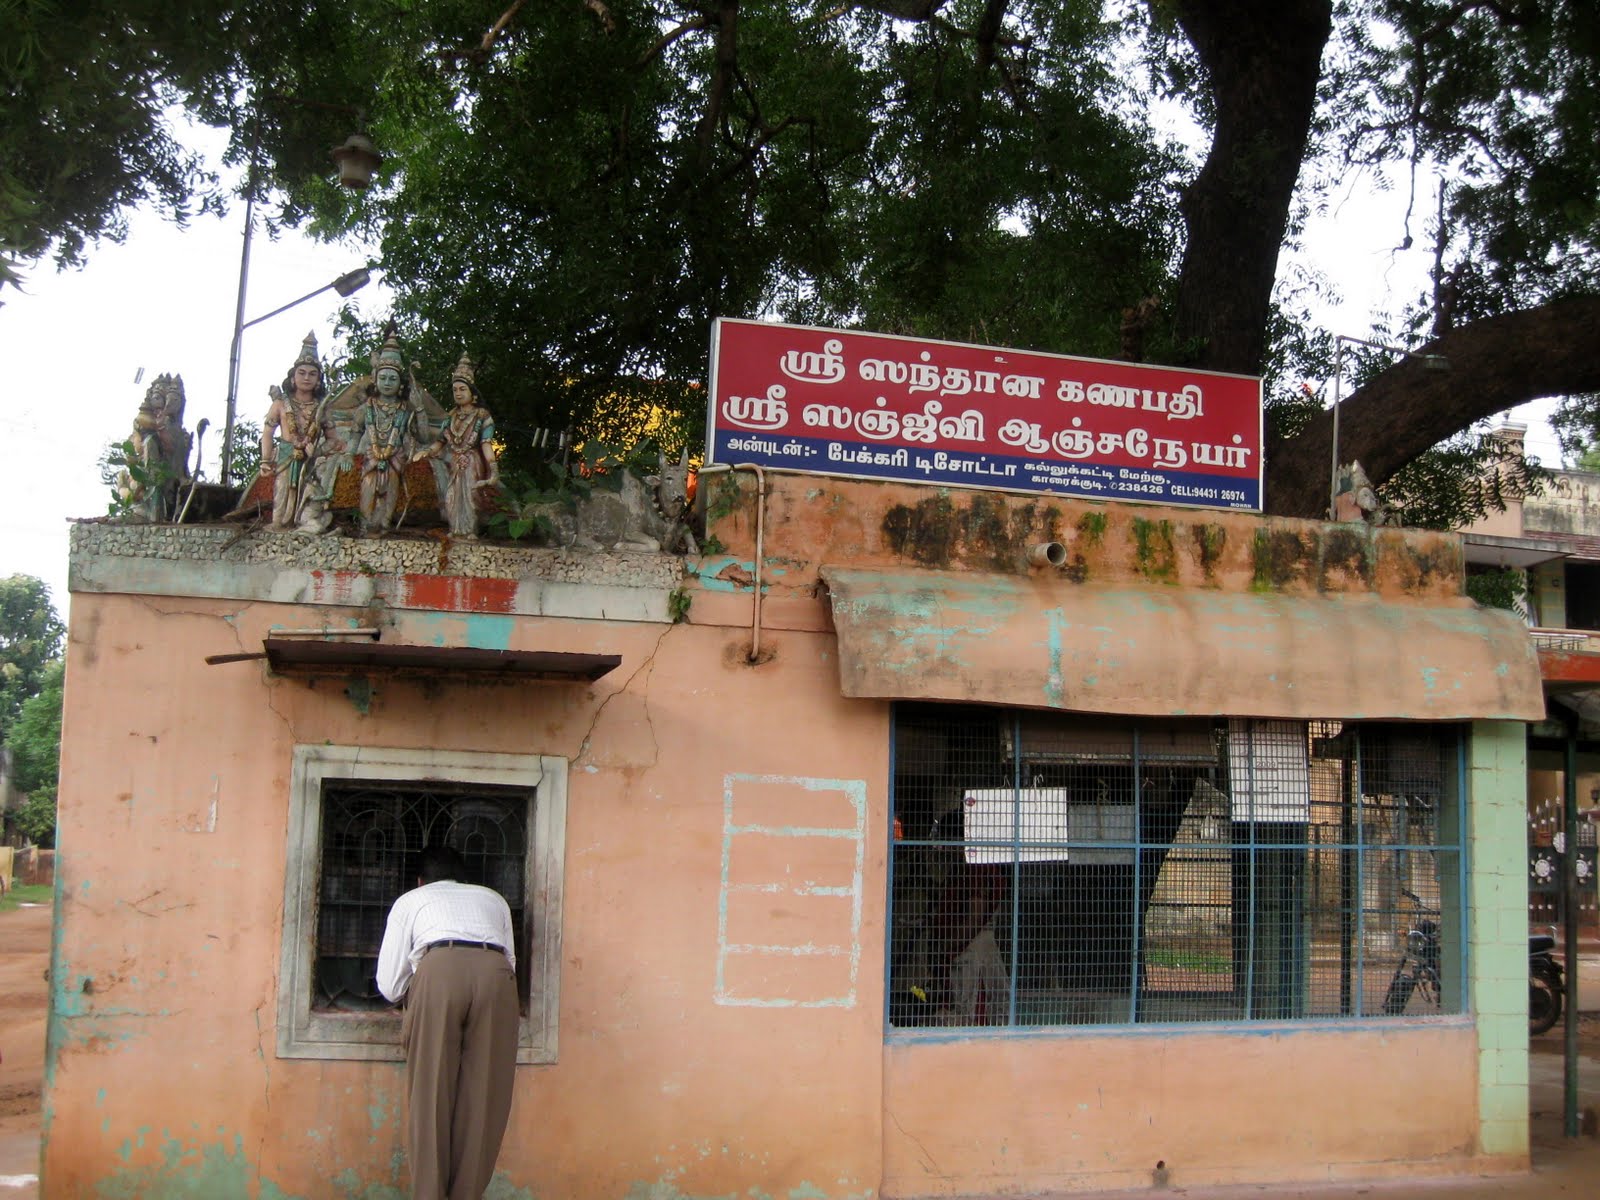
(1098, 1112)
(812, 520)
(162, 1077)
(163, 1046)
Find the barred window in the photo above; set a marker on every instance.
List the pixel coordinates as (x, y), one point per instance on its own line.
(372, 840)
(1072, 870)
(358, 819)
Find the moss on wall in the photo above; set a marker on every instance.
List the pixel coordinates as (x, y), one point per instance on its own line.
(979, 529)
(1155, 556)
(1279, 557)
(1092, 528)
(1423, 567)
(1347, 552)
(1210, 541)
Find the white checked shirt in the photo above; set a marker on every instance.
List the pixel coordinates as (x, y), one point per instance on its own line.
(439, 912)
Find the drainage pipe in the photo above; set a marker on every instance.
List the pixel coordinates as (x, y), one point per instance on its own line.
(761, 511)
(1048, 554)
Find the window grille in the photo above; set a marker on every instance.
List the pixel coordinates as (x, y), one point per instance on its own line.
(372, 837)
(1058, 870)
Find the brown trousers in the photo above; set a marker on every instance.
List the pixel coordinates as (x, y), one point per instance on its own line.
(460, 1039)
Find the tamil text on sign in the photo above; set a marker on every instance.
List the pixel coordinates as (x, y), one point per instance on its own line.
(887, 407)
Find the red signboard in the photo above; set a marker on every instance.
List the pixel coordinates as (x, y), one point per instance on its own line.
(884, 407)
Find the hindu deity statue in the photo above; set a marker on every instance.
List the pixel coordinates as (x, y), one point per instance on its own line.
(386, 432)
(158, 459)
(464, 463)
(302, 459)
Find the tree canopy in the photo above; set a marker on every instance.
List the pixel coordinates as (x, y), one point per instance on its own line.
(35, 736)
(31, 675)
(573, 191)
(30, 639)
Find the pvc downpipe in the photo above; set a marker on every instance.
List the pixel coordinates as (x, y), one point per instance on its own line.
(761, 512)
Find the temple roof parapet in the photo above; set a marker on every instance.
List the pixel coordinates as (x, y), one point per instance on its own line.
(224, 563)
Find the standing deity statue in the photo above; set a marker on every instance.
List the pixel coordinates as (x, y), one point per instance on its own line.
(157, 453)
(302, 459)
(464, 463)
(386, 436)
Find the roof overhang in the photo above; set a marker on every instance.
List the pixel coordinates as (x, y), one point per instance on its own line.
(1487, 550)
(1049, 643)
(1569, 670)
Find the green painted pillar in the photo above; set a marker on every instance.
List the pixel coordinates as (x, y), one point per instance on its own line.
(1497, 913)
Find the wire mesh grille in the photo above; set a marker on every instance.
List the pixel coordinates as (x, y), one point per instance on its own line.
(371, 839)
(1052, 870)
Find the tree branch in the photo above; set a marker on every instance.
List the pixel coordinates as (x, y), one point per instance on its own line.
(1507, 14)
(671, 36)
(988, 32)
(1495, 363)
(724, 67)
(599, 9)
(480, 53)
(901, 10)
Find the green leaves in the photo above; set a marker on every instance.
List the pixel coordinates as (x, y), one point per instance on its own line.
(1460, 481)
(590, 196)
(31, 637)
(35, 736)
(83, 128)
(575, 193)
(1501, 103)
(32, 672)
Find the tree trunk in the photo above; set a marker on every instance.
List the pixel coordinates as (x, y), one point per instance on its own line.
(1494, 364)
(1262, 60)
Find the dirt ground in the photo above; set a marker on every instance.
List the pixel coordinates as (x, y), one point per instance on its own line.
(1562, 1167)
(24, 959)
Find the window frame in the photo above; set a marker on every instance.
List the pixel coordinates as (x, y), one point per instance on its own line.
(304, 1032)
(1451, 841)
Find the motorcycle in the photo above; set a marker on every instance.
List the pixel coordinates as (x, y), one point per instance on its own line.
(1420, 964)
(1546, 984)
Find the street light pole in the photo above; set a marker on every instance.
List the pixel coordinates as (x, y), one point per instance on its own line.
(345, 285)
(358, 161)
(238, 312)
(1433, 362)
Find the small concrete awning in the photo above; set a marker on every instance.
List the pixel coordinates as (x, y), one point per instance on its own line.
(292, 655)
(1522, 552)
(1050, 643)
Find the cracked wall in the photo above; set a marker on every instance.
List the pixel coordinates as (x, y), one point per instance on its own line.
(162, 1072)
(702, 1053)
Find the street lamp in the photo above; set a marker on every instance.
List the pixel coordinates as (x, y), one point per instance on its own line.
(1432, 362)
(347, 284)
(358, 161)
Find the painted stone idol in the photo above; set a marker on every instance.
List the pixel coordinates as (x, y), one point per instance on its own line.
(157, 467)
(464, 465)
(386, 436)
(299, 446)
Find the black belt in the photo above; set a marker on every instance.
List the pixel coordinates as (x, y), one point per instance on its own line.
(465, 945)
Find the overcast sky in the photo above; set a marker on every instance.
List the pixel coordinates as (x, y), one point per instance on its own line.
(164, 302)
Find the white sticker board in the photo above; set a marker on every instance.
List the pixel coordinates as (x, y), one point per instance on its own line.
(1044, 825)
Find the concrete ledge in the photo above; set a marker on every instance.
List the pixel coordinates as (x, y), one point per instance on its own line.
(218, 563)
